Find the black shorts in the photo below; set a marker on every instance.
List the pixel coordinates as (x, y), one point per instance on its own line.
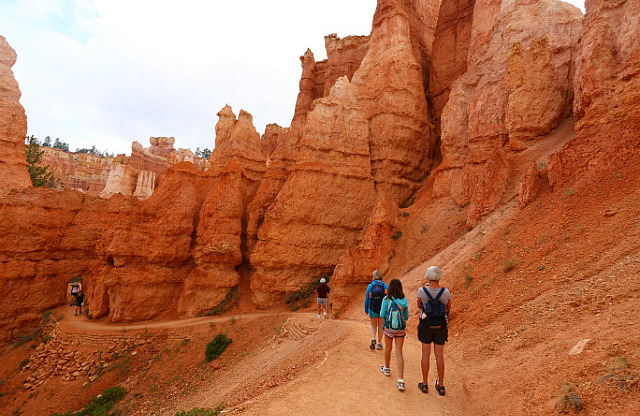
(428, 335)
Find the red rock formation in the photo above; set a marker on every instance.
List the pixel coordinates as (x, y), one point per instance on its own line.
(373, 251)
(147, 268)
(390, 87)
(80, 171)
(343, 58)
(278, 164)
(450, 51)
(136, 175)
(308, 227)
(13, 126)
(607, 85)
(237, 166)
(517, 87)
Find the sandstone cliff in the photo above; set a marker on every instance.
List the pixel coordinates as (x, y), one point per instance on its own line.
(343, 58)
(517, 86)
(606, 83)
(13, 126)
(136, 175)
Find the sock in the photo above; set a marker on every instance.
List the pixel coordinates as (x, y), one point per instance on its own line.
(400, 380)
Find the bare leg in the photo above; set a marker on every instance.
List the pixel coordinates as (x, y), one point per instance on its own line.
(374, 327)
(380, 330)
(388, 346)
(426, 355)
(438, 350)
(399, 357)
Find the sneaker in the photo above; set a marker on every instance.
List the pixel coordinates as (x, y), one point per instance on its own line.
(373, 343)
(386, 371)
(379, 346)
(401, 385)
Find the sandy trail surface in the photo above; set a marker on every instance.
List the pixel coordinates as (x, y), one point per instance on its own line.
(348, 381)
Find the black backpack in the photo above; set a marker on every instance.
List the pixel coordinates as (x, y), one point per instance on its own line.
(435, 311)
(377, 293)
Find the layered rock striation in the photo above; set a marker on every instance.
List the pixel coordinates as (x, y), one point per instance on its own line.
(13, 126)
(607, 92)
(518, 86)
(136, 175)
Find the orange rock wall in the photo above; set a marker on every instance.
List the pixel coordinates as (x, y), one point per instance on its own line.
(518, 86)
(607, 85)
(136, 175)
(13, 126)
(343, 58)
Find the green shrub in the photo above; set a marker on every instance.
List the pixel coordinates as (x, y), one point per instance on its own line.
(217, 346)
(196, 411)
(101, 405)
(508, 265)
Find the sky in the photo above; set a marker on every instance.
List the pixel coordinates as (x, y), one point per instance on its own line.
(108, 72)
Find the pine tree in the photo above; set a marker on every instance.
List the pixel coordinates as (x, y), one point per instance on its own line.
(40, 176)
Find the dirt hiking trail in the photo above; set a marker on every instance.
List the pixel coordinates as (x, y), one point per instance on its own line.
(349, 382)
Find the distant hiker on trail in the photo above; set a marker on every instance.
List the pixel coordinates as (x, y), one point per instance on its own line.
(323, 296)
(376, 291)
(434, 302)
(79, 302)
(395, 311)
(75, 288)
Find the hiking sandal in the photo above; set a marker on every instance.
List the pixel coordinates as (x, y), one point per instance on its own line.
(423, 388)
(401, 385)
(373, 344)
(385, 370)
(379, 346)
(440, 389)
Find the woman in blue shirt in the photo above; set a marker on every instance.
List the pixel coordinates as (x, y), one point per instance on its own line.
(376, 291)
(395, 311)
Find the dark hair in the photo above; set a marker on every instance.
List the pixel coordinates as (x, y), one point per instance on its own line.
(395, 289)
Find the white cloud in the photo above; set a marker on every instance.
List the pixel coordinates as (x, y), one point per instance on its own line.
(107, 72)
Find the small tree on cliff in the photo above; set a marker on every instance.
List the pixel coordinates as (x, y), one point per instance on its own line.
(40, 176)
(204, 153)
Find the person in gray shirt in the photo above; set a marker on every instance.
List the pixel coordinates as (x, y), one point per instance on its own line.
(433, 329)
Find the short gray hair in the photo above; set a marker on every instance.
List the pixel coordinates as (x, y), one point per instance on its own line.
(433, 273)
(377, 274)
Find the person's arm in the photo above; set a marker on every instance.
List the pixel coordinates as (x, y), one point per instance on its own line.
(384, 307)
(448, 307)
(366, 299)
(405, 311)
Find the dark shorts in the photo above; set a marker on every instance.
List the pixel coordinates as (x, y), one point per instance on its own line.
(428, 335)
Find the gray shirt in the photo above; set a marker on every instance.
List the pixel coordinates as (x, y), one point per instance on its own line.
(444, 298)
